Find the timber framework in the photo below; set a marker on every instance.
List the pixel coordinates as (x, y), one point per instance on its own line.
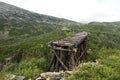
(69, 52)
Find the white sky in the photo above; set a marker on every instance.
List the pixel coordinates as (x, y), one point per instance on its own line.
(77, 10)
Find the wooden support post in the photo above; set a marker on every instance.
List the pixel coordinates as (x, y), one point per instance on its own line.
(60, 56)
(57, 52)
(52, 62)
(85, 48)
(62, 64)
(54, 65)
(66, 58)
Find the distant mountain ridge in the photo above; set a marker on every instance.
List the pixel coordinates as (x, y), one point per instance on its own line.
(17, 21)
(10, 14)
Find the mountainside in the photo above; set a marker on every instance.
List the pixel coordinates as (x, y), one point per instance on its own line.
(10, 15)
(24, 38)
(14, 20)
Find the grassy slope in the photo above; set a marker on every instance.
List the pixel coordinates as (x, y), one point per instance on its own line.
(106, 67)
(22, 23)
(103, 47)
(28, 36)
(35, 53)
(103, 62)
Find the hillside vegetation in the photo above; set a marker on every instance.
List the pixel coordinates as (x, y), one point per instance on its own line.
(103, 61)
(103, 53)
(27, 36)
(16, 22)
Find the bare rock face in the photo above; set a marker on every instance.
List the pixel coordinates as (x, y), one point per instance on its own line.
(53, 75)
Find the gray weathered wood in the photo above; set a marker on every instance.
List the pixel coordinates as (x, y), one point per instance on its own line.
(69, 52)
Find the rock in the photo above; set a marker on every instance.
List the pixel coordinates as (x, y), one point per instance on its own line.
(68, 72)
(4, 34)
(9, 60)
(39, 78)
(19, 77)
(12, 77)
(53, 75)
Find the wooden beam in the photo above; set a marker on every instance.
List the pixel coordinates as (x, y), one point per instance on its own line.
(62, 64)
(52, 61)
(59, 48)
(82, 53)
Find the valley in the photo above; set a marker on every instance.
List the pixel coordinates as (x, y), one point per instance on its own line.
(28, 35)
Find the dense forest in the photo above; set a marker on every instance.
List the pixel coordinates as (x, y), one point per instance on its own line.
(24, 51)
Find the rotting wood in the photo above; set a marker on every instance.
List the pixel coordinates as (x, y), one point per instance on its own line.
(68, 52)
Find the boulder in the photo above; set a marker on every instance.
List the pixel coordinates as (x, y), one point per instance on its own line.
(19, 77)
(10, 77)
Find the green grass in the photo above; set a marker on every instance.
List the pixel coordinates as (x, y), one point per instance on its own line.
(106, 67)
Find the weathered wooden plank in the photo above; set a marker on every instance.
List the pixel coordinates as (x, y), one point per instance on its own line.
(59, 48)
(72, 41)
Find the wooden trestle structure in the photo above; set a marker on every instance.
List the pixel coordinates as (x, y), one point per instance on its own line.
(68, 52)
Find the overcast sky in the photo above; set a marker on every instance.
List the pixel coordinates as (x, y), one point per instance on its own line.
(77, 10)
